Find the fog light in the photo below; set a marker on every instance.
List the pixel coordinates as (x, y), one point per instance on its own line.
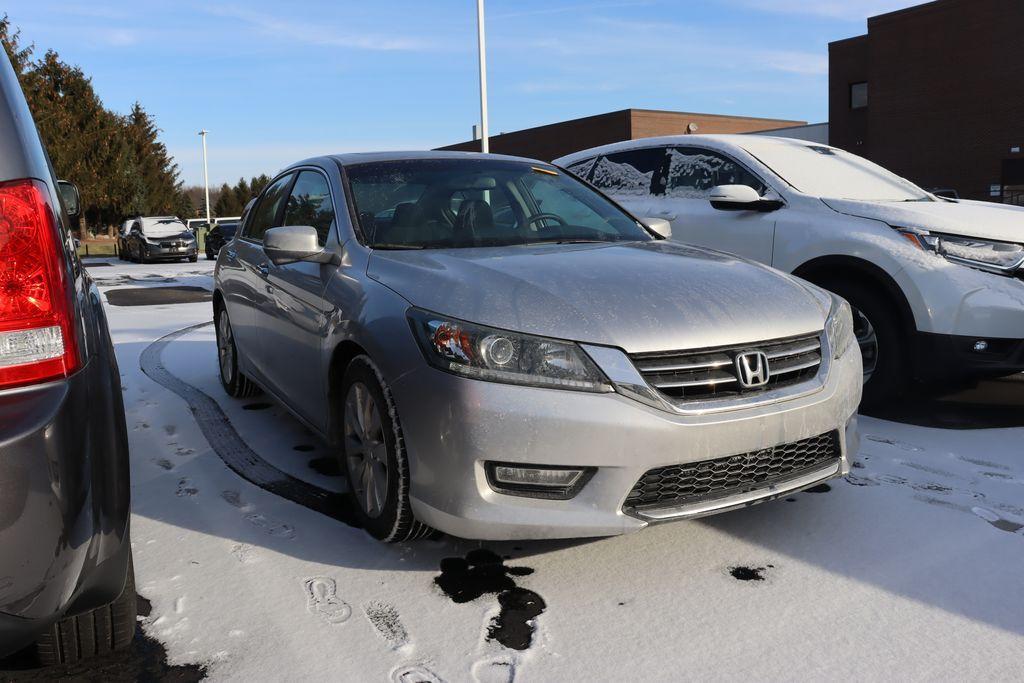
(537, 481)
(981, 346)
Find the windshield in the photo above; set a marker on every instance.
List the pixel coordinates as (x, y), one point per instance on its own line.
(458, 203)
(162, 227)
(832, 173)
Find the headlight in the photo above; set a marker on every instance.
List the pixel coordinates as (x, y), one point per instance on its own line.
(840, 327)
(996, 257)
(497, 355)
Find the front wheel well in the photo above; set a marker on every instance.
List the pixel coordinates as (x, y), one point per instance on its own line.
(823, 270)
(343, 354)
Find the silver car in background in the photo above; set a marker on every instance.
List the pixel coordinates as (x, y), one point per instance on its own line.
(496, 350)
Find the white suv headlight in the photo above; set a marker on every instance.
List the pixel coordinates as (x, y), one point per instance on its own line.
(995, 257)
(839, 327)
(497, 355)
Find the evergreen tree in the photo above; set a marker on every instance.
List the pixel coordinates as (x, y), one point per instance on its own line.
(242, 196)
(257, 184)
(225, 202)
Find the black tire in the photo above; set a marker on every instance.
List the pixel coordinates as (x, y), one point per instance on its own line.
(395, 522)
(193, 259)
(234, 382)
(98, 632)
(892, 377)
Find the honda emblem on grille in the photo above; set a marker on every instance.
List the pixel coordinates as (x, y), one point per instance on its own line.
(752, 369)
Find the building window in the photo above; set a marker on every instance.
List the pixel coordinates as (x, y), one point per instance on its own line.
(858, 95)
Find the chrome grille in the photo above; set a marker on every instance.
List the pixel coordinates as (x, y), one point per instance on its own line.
(711, 373)
(734, 475)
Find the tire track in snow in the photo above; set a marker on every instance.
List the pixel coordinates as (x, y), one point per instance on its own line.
(229, 445)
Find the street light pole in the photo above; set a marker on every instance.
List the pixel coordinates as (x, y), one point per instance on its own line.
(484, 146)
(206, 176)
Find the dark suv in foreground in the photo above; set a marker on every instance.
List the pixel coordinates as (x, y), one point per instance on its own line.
(66, 582)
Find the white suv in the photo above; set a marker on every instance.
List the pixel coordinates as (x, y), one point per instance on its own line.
(937, 285)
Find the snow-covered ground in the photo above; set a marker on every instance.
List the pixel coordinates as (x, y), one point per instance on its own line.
(909, 570)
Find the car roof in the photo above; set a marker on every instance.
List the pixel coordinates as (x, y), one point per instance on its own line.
(724, 141)
(353, 158)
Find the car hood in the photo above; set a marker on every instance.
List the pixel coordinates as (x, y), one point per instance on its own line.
(638, 296)
(970, 219)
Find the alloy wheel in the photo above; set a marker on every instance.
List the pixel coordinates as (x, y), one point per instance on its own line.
(366, 454)
(225, 348)
(867, 339)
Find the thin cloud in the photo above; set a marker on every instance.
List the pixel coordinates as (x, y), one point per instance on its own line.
(829, 9)
(569, 8)
(318, 34)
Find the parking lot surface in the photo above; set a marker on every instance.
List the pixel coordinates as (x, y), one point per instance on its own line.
(908, 569)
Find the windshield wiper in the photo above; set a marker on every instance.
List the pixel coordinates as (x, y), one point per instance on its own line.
(569, 240)
(388, 246)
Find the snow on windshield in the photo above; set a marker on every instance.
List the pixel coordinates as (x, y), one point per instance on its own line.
(162, 227)
(624, 178)
(832, 173)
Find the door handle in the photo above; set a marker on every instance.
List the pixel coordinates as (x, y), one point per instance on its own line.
(263, 269)
(232, 254)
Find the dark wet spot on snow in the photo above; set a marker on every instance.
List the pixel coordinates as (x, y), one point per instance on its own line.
(325, 466)
(857, 465)
(820, 488)
(143, 607)
(791, 500)
(304, 448)
(747, 573)
(482, 572)
(255, 406)
(153, 296)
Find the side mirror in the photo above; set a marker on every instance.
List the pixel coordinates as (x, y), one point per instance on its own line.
(740, 198)
(658, 226)
(69, 195)
(294, 243)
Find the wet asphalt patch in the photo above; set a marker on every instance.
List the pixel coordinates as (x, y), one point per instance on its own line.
(482, 572)
(231, 448)
(326, 466)
(749, 573)
(144, 660)
(97, 265)
(157, 296)
(820, 488)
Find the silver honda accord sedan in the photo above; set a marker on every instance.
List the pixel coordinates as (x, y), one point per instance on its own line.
(496, 350)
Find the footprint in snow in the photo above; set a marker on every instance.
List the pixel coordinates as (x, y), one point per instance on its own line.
(184, 490)
(234, 499)
(243, 552)
(414, 673)
(274, 528)
(164, 464)
(322, 599)
(998, 522)
(902, 445)
(499, 670)
(386, 620)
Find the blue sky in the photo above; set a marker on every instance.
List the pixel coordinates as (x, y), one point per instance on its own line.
(276, 82)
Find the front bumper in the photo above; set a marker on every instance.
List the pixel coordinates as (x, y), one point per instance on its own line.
(157, 252)
(454, 425)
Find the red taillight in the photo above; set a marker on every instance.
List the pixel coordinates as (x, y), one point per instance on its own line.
(37, 331)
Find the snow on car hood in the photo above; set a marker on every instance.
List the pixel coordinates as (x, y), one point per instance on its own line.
(639, 296)
(971, 219)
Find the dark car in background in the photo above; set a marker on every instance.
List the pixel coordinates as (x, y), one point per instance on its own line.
(218, 236)
(161, 238)
(67, 589)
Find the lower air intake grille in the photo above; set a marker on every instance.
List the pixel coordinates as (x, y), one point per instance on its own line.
(734, 475)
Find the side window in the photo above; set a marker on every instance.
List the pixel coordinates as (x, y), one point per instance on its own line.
(693, 172)
(310, 204)
(266, 210)
(636, 172)
(582, 169)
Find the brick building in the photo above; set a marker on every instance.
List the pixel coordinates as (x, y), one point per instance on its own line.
(936, 94)
(558, 139)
